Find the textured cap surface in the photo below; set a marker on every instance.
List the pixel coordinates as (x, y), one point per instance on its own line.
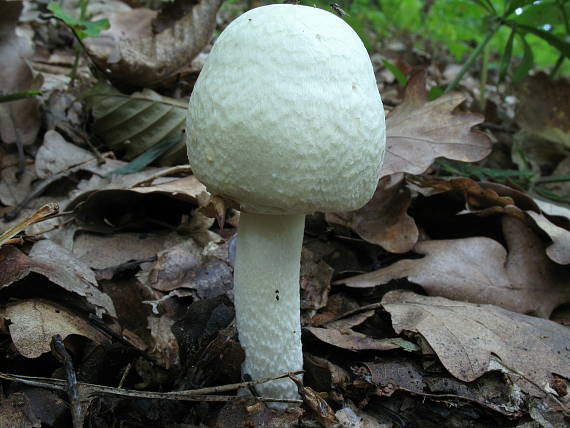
(286, 116)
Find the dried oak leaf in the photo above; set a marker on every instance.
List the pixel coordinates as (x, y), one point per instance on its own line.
(384, 220)
(35, 322)
(559, 250)
(471, 340)
(60, 267)
(131, 52)
(480, 270)
(125, 206)
(19, 120)
(418, 131)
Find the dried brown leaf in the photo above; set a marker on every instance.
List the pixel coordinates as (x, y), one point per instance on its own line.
(419, 131)
(60, 267)
(402, 374)
(479, 270)
(315, 280)
(384, 220)
(132, 53)
(165, 349)
(544, 107)
(19, 120)
(16, 412)
(559, 250)
(477, 195)
(122, 205)
(351, 340)
(532, 272)
(56, 155)
(14, 188)
(185, 266)
(35, 322)
(317, 404)
(471, 340)
(121, 247)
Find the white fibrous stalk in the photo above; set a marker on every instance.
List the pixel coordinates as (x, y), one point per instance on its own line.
(267, 301)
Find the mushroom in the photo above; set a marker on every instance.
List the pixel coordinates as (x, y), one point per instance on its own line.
(285, 119)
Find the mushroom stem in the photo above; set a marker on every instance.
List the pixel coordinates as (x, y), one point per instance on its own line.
(267, 301)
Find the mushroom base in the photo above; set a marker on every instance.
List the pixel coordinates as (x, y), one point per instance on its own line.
(267, 301)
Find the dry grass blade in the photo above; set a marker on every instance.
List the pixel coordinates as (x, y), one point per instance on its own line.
(43, 213)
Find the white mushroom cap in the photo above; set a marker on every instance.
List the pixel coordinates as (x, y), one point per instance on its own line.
(285, 117)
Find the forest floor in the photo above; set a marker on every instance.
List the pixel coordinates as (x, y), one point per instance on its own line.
(445, 301)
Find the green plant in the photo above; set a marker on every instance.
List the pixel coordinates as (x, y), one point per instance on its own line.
(81, 27)
(516, 34)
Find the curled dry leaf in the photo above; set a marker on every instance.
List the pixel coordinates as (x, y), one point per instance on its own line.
(480, 270)
(57, 155)
(185, 266)
(351, 340)
(476, 195)
(139, 207)
(60, 267)
(418, 131)
(120, 248)
(165, 349)
(384, 220)
(559, 250)
(35, 322)
(389, 375)
(19, 120)
(131, 52)
(471, 340)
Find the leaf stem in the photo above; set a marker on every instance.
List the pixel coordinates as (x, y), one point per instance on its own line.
(469, 63)
(18, 96)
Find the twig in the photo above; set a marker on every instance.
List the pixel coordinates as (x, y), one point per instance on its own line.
(59, 351)
(119, 338)
(40, 188)
(356, 311)
(125, 374)
(201, 394)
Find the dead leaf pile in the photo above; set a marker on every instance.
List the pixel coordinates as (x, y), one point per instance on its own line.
(429, 306)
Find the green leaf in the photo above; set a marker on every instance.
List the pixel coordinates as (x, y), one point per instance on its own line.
(513, 5)
(539, 14)
(526, 64)
(435, 92)
(400, 77)
(507, 55)
(135, 123)
(146, 158)
(406, 345)
(82, 28)
(485, 5)
(562, 45)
